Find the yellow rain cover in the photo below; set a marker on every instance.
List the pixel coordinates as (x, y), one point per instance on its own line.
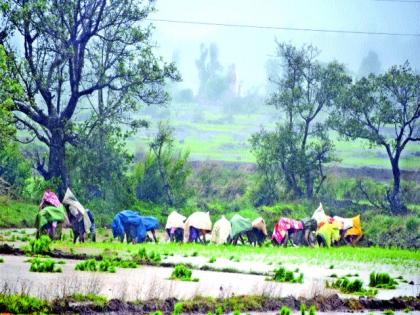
(221, 231)
(356, 230)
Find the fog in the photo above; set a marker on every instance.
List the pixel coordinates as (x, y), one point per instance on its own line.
(249, 48)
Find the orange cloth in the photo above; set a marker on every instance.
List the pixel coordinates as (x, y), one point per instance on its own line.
(356, 230)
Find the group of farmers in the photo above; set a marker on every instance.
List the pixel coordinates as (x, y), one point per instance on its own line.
(320, 229)
(54, 214)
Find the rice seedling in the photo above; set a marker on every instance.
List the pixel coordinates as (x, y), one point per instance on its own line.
(143, 258)
(302, 309)
(283, 275)
(285, 311)
(382, 280)
(177, 309)
(183, 273)
(351, 287)
(44, 265)
(312, 310)
(41, 245)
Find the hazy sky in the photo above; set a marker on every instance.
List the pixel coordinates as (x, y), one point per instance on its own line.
(250, 48)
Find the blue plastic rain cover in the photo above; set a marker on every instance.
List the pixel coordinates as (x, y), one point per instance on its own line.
(150, 223)
(130, 222)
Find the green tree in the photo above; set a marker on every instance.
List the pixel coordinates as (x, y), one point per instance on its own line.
(74, 50)
(300, 146)
(384, 110)
(9, 88)
(161, 177)
(99, 166)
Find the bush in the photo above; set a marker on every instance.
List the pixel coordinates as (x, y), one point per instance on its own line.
(41, 245)
(47, 265)
(382, 281)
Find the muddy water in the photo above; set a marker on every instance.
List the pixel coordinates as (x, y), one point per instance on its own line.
(146, 282)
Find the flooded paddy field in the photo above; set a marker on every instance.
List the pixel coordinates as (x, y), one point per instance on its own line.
(221, 272)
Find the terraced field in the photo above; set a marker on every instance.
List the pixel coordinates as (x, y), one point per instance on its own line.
(210, 135)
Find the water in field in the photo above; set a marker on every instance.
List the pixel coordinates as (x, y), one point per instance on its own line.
(146, 282)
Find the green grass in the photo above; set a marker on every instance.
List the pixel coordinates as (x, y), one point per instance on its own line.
(229, 141)
(98, 300)
(22, 304)
(317, 256)
(16, 213)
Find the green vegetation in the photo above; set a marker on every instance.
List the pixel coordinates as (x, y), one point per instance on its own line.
(351, 287)
(22, 304)
(97, 300)
(285, 311)
(382, 280)
(44, 265)
(283, 275)
(388, 312)
(41, 245)
(177, 309)
(319, 256)
(142, 257)
(16, 213)
(1, 260)
(183, 273)
(105, 265)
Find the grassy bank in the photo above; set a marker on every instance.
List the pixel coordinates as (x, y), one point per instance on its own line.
(16, 213)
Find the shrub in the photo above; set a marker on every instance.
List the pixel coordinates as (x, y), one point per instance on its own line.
(182, 272)
(382, 280)
(41, 245)
(47, 265)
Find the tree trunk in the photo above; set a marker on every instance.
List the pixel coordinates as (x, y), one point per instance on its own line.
(56, 160)
(309, 185)
(397, 207)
